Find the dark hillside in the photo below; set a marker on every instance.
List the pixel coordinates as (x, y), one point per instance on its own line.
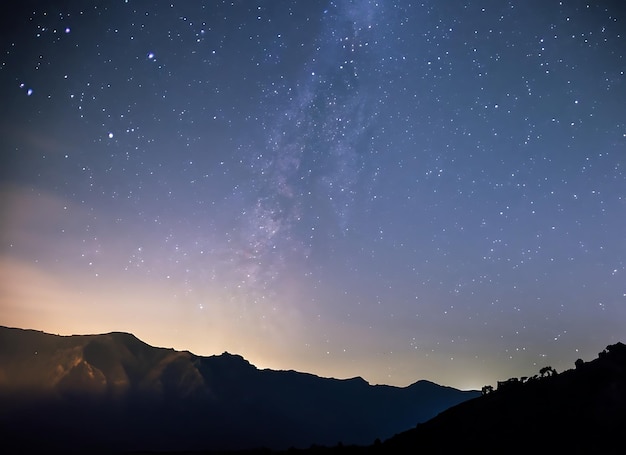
(578, 411)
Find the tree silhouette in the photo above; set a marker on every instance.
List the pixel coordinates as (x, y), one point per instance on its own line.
(487, 389)
(547, 371)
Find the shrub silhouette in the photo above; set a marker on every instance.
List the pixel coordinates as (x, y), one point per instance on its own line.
(547, 371)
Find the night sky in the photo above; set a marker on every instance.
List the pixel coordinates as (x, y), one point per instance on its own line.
(395, 190)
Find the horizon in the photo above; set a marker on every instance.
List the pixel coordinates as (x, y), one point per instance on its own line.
(261, 368)
(392, 191)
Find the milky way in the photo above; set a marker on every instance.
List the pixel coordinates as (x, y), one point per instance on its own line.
(394, 190)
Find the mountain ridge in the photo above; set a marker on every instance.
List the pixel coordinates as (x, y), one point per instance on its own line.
(118, 390)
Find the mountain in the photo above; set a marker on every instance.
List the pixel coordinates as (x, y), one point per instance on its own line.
(113, 392)
(579, 411)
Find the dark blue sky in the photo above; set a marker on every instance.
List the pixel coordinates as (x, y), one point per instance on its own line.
(389, 189)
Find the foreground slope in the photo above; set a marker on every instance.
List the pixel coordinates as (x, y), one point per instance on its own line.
(580, 411)
(114, 392)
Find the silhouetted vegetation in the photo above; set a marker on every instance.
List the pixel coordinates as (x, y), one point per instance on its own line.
(547, 371)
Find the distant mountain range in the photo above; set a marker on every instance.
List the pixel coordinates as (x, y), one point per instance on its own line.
(113, 392)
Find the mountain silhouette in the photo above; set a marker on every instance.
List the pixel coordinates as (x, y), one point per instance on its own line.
(113, 392)
(579, 411)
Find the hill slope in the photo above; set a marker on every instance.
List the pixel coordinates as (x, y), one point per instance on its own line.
(578, 411)
(114, 392)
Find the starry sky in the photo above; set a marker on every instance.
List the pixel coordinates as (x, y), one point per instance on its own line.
(396, 190)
